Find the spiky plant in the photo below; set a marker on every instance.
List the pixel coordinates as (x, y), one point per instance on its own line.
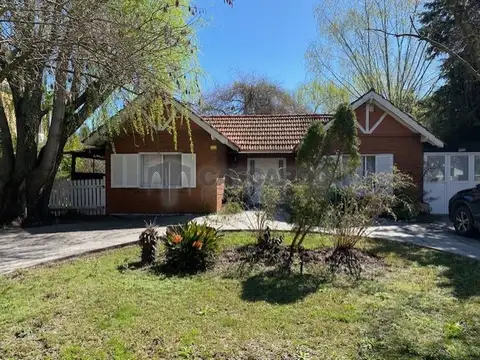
(190, 247)
(148, 242)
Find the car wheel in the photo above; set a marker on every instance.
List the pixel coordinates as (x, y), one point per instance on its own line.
(463, 221)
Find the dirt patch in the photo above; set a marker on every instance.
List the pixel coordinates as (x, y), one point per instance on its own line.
(354, 263)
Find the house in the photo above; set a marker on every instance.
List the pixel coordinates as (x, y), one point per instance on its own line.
(151, 176)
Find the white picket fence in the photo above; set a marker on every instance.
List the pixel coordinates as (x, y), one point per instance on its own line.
(82, 196)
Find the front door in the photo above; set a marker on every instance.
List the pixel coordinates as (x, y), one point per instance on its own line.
(261, 171)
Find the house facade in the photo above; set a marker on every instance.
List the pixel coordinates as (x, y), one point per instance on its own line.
(152, 176)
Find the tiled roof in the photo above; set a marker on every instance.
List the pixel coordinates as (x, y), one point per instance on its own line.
(265, 132)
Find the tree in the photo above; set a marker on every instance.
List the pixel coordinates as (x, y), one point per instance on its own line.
(65, 61)
(356, 59)
(251, 95)
(320, 162)
(451, 30)
(321, 97)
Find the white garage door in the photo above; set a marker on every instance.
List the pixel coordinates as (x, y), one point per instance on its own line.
(447, 173)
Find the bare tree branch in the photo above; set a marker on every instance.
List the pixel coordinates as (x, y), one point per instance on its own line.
(435, 44)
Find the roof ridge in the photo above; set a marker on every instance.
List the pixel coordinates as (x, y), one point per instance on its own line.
(266, 115)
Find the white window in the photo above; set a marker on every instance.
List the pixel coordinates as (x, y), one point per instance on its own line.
(161, 171)
(266, 169)
(459, 167)
(368, 166)
(434, 168)
(124, 171)
(476, 173)
(153, 170)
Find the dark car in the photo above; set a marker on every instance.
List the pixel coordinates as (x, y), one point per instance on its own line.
(464, 211)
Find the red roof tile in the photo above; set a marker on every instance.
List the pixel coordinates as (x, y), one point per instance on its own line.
(265, 132)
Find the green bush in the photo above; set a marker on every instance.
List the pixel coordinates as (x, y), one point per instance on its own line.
(190, 248)
(231, 208)
(407, 205)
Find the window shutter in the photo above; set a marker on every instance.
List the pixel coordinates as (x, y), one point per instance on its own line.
(131, 171)
(384, 163)
(116, 171)
(124, 170)
(189, 170)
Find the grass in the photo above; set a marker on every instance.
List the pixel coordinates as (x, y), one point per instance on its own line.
(423, 305)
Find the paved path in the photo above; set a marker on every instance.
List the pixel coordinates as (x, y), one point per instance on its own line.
(22, 248)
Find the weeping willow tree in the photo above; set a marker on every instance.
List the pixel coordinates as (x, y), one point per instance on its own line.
(67, 61)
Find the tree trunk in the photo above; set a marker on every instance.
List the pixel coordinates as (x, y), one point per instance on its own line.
(13, 203)
(24, 200)
(38, 197)
(38, 208)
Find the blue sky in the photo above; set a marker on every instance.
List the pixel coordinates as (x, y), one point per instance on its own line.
(266, 37)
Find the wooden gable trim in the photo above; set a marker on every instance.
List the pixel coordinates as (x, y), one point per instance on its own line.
(397, 114)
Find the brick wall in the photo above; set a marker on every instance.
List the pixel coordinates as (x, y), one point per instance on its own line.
(391, 137)
(203, 198)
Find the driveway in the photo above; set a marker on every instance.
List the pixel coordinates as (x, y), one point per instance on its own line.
(438, 234)
(21, 248)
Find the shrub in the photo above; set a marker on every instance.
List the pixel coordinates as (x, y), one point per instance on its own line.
(358, 207)
(407, 206)
(231, 208)
(190, 248)
(239, 191)
(321, 163)
(148, 243)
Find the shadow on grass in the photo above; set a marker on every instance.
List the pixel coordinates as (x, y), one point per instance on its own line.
(277, 288)
(134, 265)
(462, 274)
(158, 269)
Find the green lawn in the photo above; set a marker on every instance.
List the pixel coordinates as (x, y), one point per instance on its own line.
(423, 305)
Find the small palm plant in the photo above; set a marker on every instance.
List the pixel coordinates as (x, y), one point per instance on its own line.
(148, 242)
(191, 247)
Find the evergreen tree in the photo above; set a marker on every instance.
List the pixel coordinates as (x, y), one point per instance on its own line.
(453, 110)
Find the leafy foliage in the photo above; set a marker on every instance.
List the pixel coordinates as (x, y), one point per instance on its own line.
(313, 147)
(452, 111)
(407, 206)
(356, 207)
(148, 243)
(190, 248)
(240, 190)
(231, 208)
(69, 61)
(320, 96)
(269, 241)
(321, 157)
